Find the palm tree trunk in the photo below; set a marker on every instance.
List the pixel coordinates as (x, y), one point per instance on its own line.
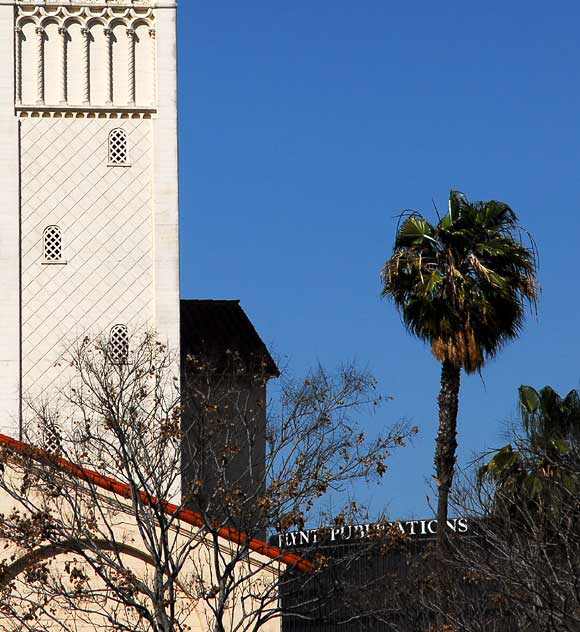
(446, 445)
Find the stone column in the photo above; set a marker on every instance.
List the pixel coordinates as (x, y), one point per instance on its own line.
(63, 78)
(153, 36)
(131, 57)
(10, 209)
(40, 66)
(109, 66)
(18, 65)
(86, 66)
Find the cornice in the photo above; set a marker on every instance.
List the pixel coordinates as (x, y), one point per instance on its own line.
(89, 112)
(63, 14)
(103, 4)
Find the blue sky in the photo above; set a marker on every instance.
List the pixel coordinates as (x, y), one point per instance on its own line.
(306, 126)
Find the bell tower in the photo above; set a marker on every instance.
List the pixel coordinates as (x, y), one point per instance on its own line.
(88, 174)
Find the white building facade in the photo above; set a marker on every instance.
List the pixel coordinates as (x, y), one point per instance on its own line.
(88, 178)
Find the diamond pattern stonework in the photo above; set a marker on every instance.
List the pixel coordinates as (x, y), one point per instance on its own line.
(107, 217)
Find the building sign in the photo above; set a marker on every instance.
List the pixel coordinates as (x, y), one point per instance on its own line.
(351, 533)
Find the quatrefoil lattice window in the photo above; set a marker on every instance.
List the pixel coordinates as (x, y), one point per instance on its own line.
(118, 148)
(119, 344)
(52, 244)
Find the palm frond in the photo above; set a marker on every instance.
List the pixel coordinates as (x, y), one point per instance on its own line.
(463, 284)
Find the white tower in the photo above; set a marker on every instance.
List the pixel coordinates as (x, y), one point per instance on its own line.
(88, 178)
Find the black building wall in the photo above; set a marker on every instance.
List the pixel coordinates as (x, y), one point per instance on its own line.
(225, 368)
(363, 588)
(385, 578)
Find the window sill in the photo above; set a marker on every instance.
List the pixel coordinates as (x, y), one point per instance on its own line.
(116, 165)
(54, 263)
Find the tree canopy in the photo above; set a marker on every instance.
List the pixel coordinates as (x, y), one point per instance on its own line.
(462, 284)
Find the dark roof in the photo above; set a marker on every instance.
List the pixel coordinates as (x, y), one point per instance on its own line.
(216, 329)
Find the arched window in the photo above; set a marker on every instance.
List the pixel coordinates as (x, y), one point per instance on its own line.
(118, 148)
(119, 344)
(52, 244)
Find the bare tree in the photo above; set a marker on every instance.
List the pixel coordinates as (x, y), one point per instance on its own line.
(524, 560)
(516, 571)
(142, 507)
(516, 568)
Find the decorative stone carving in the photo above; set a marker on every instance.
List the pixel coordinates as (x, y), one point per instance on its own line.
(63, 71)
(18, 63)
(131, 76)
(76, 58)
(90, 3)
(109, 65)
(40, 65)
(86, 70)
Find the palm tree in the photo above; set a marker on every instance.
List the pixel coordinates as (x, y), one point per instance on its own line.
(462, 285)
(543, 465)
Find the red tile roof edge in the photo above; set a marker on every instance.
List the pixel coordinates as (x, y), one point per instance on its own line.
(186, 515)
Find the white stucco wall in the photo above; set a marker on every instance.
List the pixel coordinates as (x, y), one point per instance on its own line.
(72, 72)
(106, 216)
(114, 522)
(166, 241)
(9, 233)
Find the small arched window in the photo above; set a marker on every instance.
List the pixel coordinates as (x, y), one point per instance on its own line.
(119, 344)
(118, 148)
(52, 245)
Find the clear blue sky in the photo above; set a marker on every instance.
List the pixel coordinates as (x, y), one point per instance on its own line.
(306, 126)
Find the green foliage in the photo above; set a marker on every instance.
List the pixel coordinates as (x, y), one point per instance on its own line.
(545, 462)
(462, 284)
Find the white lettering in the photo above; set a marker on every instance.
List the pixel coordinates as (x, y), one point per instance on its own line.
(361, 531)
(411, 524)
